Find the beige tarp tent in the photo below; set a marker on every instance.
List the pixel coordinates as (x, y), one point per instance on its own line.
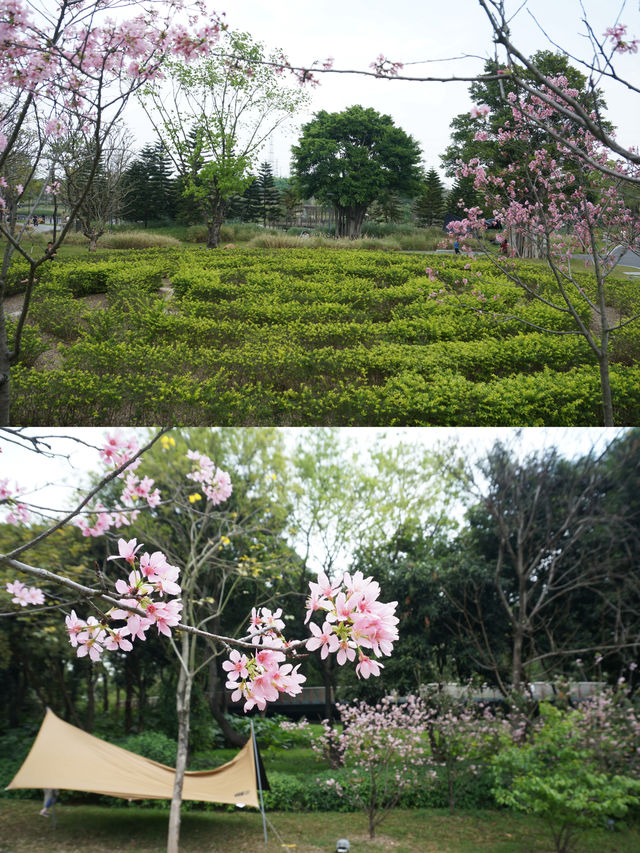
(67, 758)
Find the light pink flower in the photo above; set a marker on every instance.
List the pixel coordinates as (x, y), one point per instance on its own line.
(323, 639)
(126, 550)
(367, 667)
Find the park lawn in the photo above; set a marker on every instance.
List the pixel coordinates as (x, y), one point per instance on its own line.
(94, 829)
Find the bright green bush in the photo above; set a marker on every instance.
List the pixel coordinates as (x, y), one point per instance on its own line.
(553, 777)
(304, 336)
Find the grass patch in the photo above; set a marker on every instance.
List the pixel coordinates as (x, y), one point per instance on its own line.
(93, 829)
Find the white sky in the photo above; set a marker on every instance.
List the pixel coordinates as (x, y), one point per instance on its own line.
(36, 474)
(354, 32)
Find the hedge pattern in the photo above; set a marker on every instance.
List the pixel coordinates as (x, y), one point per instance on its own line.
(303, 336)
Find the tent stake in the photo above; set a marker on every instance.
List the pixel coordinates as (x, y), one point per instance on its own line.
(259, 775)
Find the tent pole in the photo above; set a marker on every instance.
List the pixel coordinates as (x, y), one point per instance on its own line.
(259, 775)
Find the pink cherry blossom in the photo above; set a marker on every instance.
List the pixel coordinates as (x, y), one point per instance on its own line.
(118, 640)
(126, 550)
(366, 667)
(74, 627)
(323, 639)
(236, 666)
(24, 595)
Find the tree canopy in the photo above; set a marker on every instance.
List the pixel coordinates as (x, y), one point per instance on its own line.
(351, 159)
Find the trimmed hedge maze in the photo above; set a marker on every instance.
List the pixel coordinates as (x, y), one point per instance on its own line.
(309, 336)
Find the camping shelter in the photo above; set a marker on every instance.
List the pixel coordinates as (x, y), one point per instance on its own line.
(66, 758)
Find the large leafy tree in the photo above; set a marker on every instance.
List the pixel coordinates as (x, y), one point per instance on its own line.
(216, 119)
(352, 158)
(550, 560)
(493, 95)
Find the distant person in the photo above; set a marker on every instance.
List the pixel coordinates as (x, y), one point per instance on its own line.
(50, 797)
(456, 247)
(304, 235)
(50, 251)
(34, 220)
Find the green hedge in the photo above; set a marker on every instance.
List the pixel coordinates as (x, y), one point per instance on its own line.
(314, 337)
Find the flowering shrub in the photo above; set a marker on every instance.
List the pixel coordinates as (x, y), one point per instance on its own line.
(608, 725)
(383, 747)
(463, 739)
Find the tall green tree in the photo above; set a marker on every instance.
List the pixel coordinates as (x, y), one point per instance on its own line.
(352, 158)
(217, 119)
(493, 95)
(462, 191)
(268, 195)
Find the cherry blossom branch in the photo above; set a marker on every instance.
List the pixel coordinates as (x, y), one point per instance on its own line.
(88, 497)
(87, 592)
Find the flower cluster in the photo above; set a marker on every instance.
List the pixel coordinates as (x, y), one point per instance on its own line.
(384, 67)
(24, 595)
(216, 484)
(118, 450)
(151, 575)
(478, 112)
(354, 620)
(18, 512)
(617, 36)
(261, 677)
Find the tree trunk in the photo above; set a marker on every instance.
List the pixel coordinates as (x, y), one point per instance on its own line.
(328, 687)
(128, 695)
(516, 661)
(71, 711)
(183, 709)
(605, 384)
(216, 212)
(91, 697)
(105, 690)
(5, 368)
(349, 221)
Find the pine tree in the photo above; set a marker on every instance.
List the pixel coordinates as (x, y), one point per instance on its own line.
(252, 202)
(388, 208)
(429, 205)
(150, 187)
(269, 195)
(461, 190)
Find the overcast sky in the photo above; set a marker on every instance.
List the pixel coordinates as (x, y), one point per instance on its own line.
(35, 474)
(354, 32)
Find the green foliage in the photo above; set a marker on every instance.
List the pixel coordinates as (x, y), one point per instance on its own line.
(154, 745)
(554, 777)
(351, 159)
(149, 189)
(56, 312)
(270, 731)
(311, 336)
(429, 206)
